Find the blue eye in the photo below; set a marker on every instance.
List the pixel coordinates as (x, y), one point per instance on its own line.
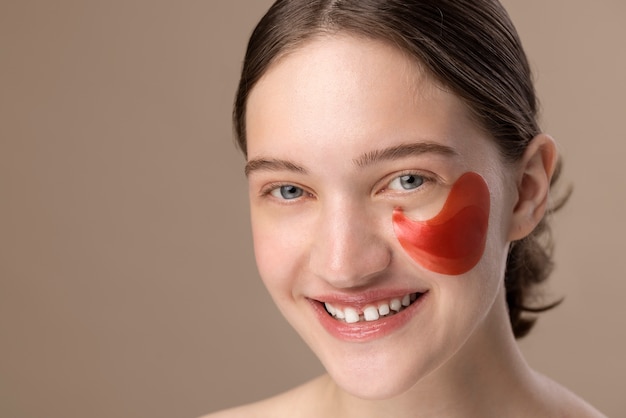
(406, 182)
(287, 192)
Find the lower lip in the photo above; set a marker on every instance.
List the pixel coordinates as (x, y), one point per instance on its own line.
(366, 331)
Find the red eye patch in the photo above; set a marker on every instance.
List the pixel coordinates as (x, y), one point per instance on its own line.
(453, 241)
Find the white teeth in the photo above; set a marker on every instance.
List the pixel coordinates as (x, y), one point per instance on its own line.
(370, 313)
(383, 309)
(331, 309)
(352, 316)
(395, 305)
(340, 314)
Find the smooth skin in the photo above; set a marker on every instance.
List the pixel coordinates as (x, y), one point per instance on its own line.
(323, 187)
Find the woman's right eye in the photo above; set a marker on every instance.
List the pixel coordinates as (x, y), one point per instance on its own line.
(287, 192)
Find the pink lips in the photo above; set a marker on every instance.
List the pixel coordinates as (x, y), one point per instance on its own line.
(452, 242)
(365, 331)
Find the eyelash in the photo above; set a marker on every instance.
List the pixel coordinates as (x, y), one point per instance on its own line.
(269, 188)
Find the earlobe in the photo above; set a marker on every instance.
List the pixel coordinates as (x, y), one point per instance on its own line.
(533, 185)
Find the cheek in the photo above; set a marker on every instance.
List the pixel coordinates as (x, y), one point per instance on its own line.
(452, 242)
(276, 251)
(266, 250)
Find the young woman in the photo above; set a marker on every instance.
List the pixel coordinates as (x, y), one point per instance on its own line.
(398, 186)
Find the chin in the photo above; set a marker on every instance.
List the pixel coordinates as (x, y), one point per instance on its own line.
(375, 375)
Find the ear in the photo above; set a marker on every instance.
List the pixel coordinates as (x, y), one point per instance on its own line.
(533, 185)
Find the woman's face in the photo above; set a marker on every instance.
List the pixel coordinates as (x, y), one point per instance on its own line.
(341, 132)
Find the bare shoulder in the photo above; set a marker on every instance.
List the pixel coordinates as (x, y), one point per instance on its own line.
(566, 404)
(287, 404)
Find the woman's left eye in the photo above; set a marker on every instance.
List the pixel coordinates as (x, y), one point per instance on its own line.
(406, 182)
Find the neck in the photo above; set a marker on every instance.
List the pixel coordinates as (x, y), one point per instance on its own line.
(487, 377)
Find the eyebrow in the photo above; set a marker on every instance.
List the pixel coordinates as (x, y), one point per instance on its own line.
(366, 159)
(403, 151)
(272, 164)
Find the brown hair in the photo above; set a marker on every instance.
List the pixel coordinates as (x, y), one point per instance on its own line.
(469, 46)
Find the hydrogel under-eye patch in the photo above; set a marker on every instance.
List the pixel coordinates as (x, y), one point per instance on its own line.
(452, 242)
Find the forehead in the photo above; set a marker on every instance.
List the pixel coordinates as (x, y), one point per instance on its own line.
(343, 94)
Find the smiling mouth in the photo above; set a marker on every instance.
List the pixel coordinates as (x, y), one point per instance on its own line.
(371, 312)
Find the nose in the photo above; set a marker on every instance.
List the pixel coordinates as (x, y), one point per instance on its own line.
(348, 250)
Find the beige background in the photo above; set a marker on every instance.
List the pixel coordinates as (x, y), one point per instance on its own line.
(127, 283)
